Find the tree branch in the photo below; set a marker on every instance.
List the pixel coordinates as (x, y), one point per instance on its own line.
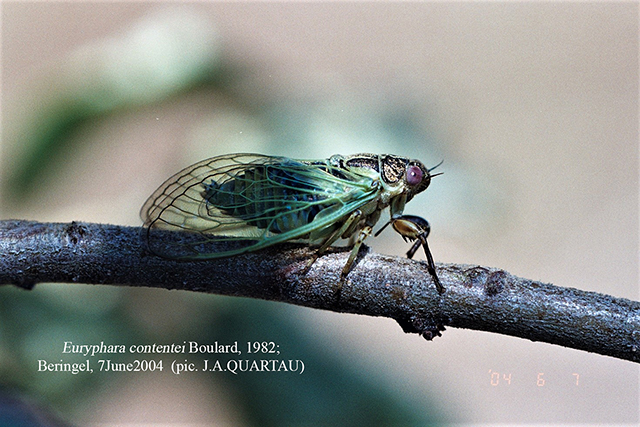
(481, 298)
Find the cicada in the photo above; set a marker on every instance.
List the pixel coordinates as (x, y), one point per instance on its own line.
(239, 203)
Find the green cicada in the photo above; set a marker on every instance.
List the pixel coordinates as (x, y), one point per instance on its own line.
(239, 203)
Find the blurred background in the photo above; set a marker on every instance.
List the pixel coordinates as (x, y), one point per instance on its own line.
(532, 106)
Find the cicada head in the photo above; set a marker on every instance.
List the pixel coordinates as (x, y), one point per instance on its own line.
(418, 177)
(409, 176)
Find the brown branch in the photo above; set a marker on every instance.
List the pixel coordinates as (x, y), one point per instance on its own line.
(481, 298)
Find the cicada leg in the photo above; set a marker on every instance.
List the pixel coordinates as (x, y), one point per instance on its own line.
(351, 219)
(416, 245)
(416, 228)
(362, 235)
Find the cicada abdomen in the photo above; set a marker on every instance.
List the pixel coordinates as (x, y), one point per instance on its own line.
(277, 198)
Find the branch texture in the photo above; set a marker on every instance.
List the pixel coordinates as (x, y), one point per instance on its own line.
(480, 298)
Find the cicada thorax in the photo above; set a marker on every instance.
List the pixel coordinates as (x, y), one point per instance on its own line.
(277, 197)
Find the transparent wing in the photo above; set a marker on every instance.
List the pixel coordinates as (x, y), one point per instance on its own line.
(243, 202)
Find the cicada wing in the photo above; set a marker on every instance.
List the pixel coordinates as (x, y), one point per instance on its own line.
(242, 202)
(177, 205)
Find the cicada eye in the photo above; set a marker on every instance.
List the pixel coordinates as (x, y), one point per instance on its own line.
(414, 175)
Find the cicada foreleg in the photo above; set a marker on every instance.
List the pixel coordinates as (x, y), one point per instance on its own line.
(412, 227)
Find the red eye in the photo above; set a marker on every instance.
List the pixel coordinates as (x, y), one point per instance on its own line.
(414, 175)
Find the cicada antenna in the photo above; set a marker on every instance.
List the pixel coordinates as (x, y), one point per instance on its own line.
(430, 169)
